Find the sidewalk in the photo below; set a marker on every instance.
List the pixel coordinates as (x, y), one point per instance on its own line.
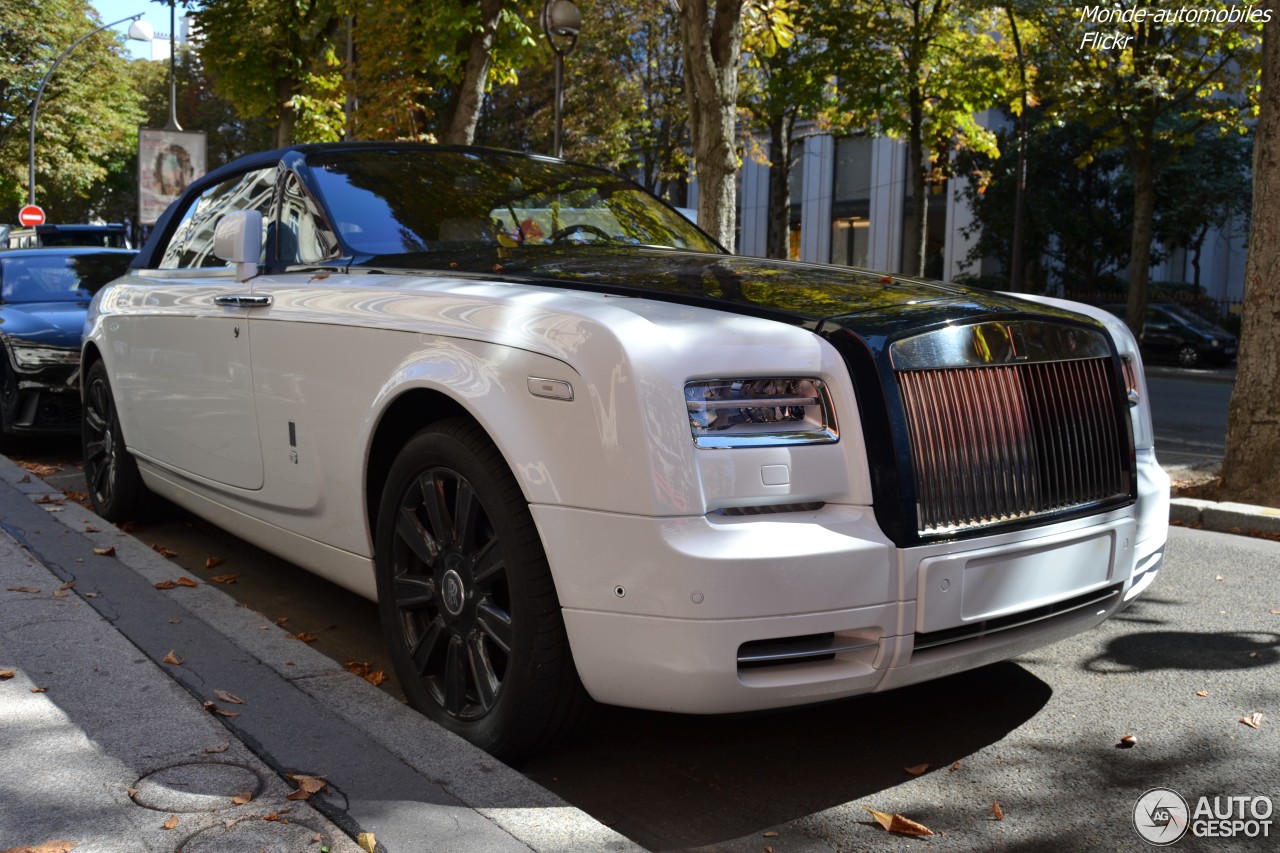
(1221, 516)
(109, 745)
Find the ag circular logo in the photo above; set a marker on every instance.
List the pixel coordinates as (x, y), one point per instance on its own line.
(1161, 816)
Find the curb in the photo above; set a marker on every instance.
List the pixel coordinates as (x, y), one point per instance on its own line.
(1225, 517)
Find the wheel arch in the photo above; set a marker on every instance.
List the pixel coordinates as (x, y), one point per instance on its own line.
(412, 411)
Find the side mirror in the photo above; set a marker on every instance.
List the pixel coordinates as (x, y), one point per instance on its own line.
(238, 239)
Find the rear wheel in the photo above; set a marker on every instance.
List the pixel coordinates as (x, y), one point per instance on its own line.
(110, 471)
(467, 602)
(1188, 356)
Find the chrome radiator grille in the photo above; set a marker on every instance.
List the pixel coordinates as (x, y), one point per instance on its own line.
(999, 442)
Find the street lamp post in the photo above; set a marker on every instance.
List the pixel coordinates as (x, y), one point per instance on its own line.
(561, 21)
(139, 30)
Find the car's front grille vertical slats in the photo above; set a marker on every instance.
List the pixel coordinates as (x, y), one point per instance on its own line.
(1003, 442)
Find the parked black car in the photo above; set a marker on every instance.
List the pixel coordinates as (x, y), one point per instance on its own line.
(44, 294)
(1175, 333)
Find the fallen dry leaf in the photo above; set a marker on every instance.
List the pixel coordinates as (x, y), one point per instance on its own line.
(225, 712)
(7, 673)
(1127, 742)
(886, 279)
(996, 810)
(1274, 612)
(213, 562)
(60, 593)
(228, 697)
(305, 637)
(27, 589)
(317, 838)
(899, 824)
(55, 846)
(1219, 578)
(26, 478)
(280, 620)
(916, 769)
(170, 823)
(163, 551)
(185, 581)
(132, 792)
(1202, 693)
(242, 798)
(90, 595)
(68, 585)
(165, 585)
(1254, 720)
(224, 578)
(214, 750)
(91, 529)
(128, 526)
(365, 670)
(173, 658)
(367, 842)
(50, 499)
(955, 766)
(277, 815)
(311, 784)
(46, 690)
(105, 552)
(771, 834)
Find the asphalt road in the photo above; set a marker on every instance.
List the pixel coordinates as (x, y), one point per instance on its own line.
(1189, 412)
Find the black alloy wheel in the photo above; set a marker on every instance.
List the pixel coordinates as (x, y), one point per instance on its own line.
(468, 605)
(1188, 356)
(110, 471)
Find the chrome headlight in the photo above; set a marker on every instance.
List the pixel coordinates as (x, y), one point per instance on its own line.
(37, 356)
(760, 412)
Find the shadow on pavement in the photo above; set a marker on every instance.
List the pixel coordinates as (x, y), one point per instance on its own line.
(669, 781)
(1186, 650)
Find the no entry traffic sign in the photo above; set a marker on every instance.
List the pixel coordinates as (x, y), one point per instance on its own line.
(31, 215)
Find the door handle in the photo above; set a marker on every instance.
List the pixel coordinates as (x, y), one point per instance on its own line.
(242, 301)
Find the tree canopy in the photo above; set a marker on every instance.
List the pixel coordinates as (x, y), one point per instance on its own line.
(86, 129)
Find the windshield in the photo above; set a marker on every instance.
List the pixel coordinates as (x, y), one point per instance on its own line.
(409, 202)
(59, 277)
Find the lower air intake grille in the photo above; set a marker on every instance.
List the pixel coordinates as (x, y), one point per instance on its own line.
(996, 443)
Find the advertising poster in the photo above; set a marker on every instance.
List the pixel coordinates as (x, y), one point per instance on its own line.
(167, 162)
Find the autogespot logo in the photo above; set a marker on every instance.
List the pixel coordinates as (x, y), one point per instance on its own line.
(1160, 816)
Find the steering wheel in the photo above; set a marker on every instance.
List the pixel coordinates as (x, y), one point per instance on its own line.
(579, 228)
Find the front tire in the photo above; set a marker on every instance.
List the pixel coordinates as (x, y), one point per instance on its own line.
(1188, 356)
(110, 471)
(468, 606)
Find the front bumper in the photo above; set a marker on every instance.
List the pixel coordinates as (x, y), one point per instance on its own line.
(44, 400)
(715, 615)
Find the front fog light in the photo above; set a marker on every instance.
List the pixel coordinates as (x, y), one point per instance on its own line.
(760, 412)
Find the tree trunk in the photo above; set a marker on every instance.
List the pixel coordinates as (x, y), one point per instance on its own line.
(779, 242)
(1251, 465)
(461, 127)
(285, 90)
(711, 51)
(918, 169)
(1144, 216)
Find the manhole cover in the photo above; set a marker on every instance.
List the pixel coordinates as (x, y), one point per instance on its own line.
(257, 835)
(196, 787)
